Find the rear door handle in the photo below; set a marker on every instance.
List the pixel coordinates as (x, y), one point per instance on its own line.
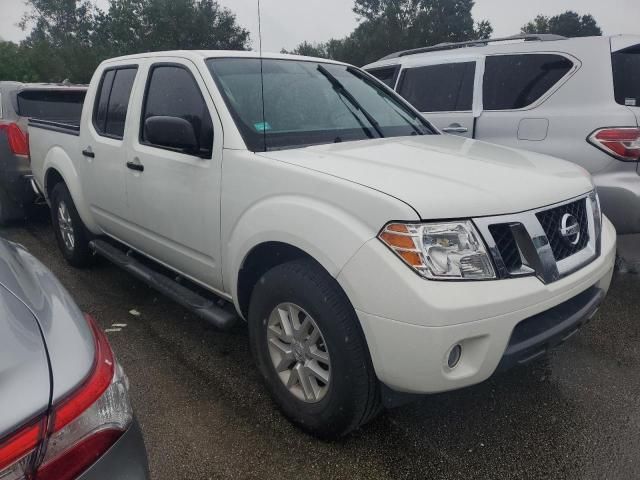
(455, 128)
(88, 153)
(138, 167)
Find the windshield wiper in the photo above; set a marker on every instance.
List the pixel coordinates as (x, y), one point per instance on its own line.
(413, 122)
(338, 87)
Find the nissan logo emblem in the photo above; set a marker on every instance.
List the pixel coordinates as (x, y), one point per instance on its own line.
(570, 229)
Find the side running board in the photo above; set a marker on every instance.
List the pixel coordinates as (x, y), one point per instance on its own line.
(205, 308)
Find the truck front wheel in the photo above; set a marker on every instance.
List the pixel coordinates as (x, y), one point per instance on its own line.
(310, 349)
(71, 234)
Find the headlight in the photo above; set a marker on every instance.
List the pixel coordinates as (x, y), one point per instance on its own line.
(440, 251)
(597, 212)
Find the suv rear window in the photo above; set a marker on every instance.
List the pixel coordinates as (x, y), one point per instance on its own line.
(439, 88)
(54, 105)
(517, 81)
(386, 75)
(626, 76)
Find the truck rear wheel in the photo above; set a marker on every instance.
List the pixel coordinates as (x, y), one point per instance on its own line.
(71, 234)
(310, 349)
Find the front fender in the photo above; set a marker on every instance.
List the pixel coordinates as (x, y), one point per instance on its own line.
(58, 160)
(326, 232)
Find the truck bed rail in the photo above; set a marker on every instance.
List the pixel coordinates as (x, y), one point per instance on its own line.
(68, 128)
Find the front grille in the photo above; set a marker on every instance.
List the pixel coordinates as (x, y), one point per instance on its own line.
(506, 244)
(551, 221)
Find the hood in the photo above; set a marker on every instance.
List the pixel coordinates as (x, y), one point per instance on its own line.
(445, 176)
(67, 335)
(24, 369)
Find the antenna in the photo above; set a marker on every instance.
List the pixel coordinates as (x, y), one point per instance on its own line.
(264, 121)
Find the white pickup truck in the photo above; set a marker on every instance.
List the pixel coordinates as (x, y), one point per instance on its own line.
(372, 257)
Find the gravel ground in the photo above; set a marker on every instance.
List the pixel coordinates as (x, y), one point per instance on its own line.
(205, 413)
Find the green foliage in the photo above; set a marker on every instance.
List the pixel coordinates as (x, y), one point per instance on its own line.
(69, 38)
(568, 24)
(390, 25)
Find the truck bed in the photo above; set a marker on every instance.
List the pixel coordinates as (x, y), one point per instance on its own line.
(68, 127)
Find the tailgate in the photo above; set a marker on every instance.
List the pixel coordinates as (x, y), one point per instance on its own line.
(25, 386)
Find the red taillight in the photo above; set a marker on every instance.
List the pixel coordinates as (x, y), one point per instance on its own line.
(20, 443)
(98, 381)
(85, 453)
(78, 430)
(17, 139)
(622, 143)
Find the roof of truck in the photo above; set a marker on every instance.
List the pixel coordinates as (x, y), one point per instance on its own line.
(199, 54)
(519, 43)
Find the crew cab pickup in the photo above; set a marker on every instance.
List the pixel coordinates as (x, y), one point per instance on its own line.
(371, 256)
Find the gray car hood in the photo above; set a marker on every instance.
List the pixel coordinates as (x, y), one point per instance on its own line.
(67, 335)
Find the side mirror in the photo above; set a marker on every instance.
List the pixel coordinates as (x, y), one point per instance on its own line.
(172, 132)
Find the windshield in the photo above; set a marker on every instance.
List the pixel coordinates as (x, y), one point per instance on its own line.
(309, 103)
(55, 105)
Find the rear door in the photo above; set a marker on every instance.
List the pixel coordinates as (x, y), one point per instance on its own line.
(104, 151)
(625, 61)
(443, 93)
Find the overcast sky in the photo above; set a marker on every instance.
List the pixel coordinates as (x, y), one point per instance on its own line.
(285, 23)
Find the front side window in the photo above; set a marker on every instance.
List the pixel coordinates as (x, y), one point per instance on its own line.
(517, 81)
(626, 76)
(439, 88)
(173, 92)
(387, 75)
(112, 101)
(309, 103)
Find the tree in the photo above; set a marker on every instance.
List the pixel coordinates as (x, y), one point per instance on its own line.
(13, 65)
(391, 25)
(567, 24)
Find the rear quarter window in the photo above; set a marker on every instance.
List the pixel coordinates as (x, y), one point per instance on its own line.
(517, 81)
(439, 88)
(626, 76)
(54, 105)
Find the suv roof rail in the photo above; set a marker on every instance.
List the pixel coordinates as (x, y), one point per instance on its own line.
(527, 37)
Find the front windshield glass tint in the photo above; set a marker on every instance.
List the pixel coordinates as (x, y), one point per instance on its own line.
(309, 103)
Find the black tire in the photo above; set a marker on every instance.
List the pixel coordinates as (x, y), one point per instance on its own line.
(79, 255)
(353, 393)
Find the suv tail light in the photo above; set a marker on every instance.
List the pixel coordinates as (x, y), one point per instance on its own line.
(622, 143)
(18, 140)
(81, 427)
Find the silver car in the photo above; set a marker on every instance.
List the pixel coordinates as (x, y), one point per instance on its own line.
(572, 98)
(64, 402)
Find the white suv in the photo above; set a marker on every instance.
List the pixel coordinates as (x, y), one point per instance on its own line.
(577, 99)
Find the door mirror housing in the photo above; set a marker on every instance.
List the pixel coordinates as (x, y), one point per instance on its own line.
(171, 132)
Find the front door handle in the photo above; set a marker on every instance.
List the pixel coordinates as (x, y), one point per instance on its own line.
(88, 153)
(455, 128)
(138, 167)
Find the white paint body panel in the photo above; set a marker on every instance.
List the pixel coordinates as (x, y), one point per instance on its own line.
(202, 218)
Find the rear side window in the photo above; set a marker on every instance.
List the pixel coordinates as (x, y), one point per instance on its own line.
(439, 88)
(112, 101)
(55, 105)
(517, 81)
(173, 92)
(626, 76)
(386, 75)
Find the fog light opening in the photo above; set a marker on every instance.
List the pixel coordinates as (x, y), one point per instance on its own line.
(454, 356)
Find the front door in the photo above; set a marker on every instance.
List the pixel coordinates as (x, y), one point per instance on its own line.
(443, 93)
(174, 195)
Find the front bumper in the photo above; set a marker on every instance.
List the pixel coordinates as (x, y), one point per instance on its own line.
(410, 324)
(126, 459)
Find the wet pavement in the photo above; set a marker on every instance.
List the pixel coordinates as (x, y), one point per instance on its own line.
(206, 415)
